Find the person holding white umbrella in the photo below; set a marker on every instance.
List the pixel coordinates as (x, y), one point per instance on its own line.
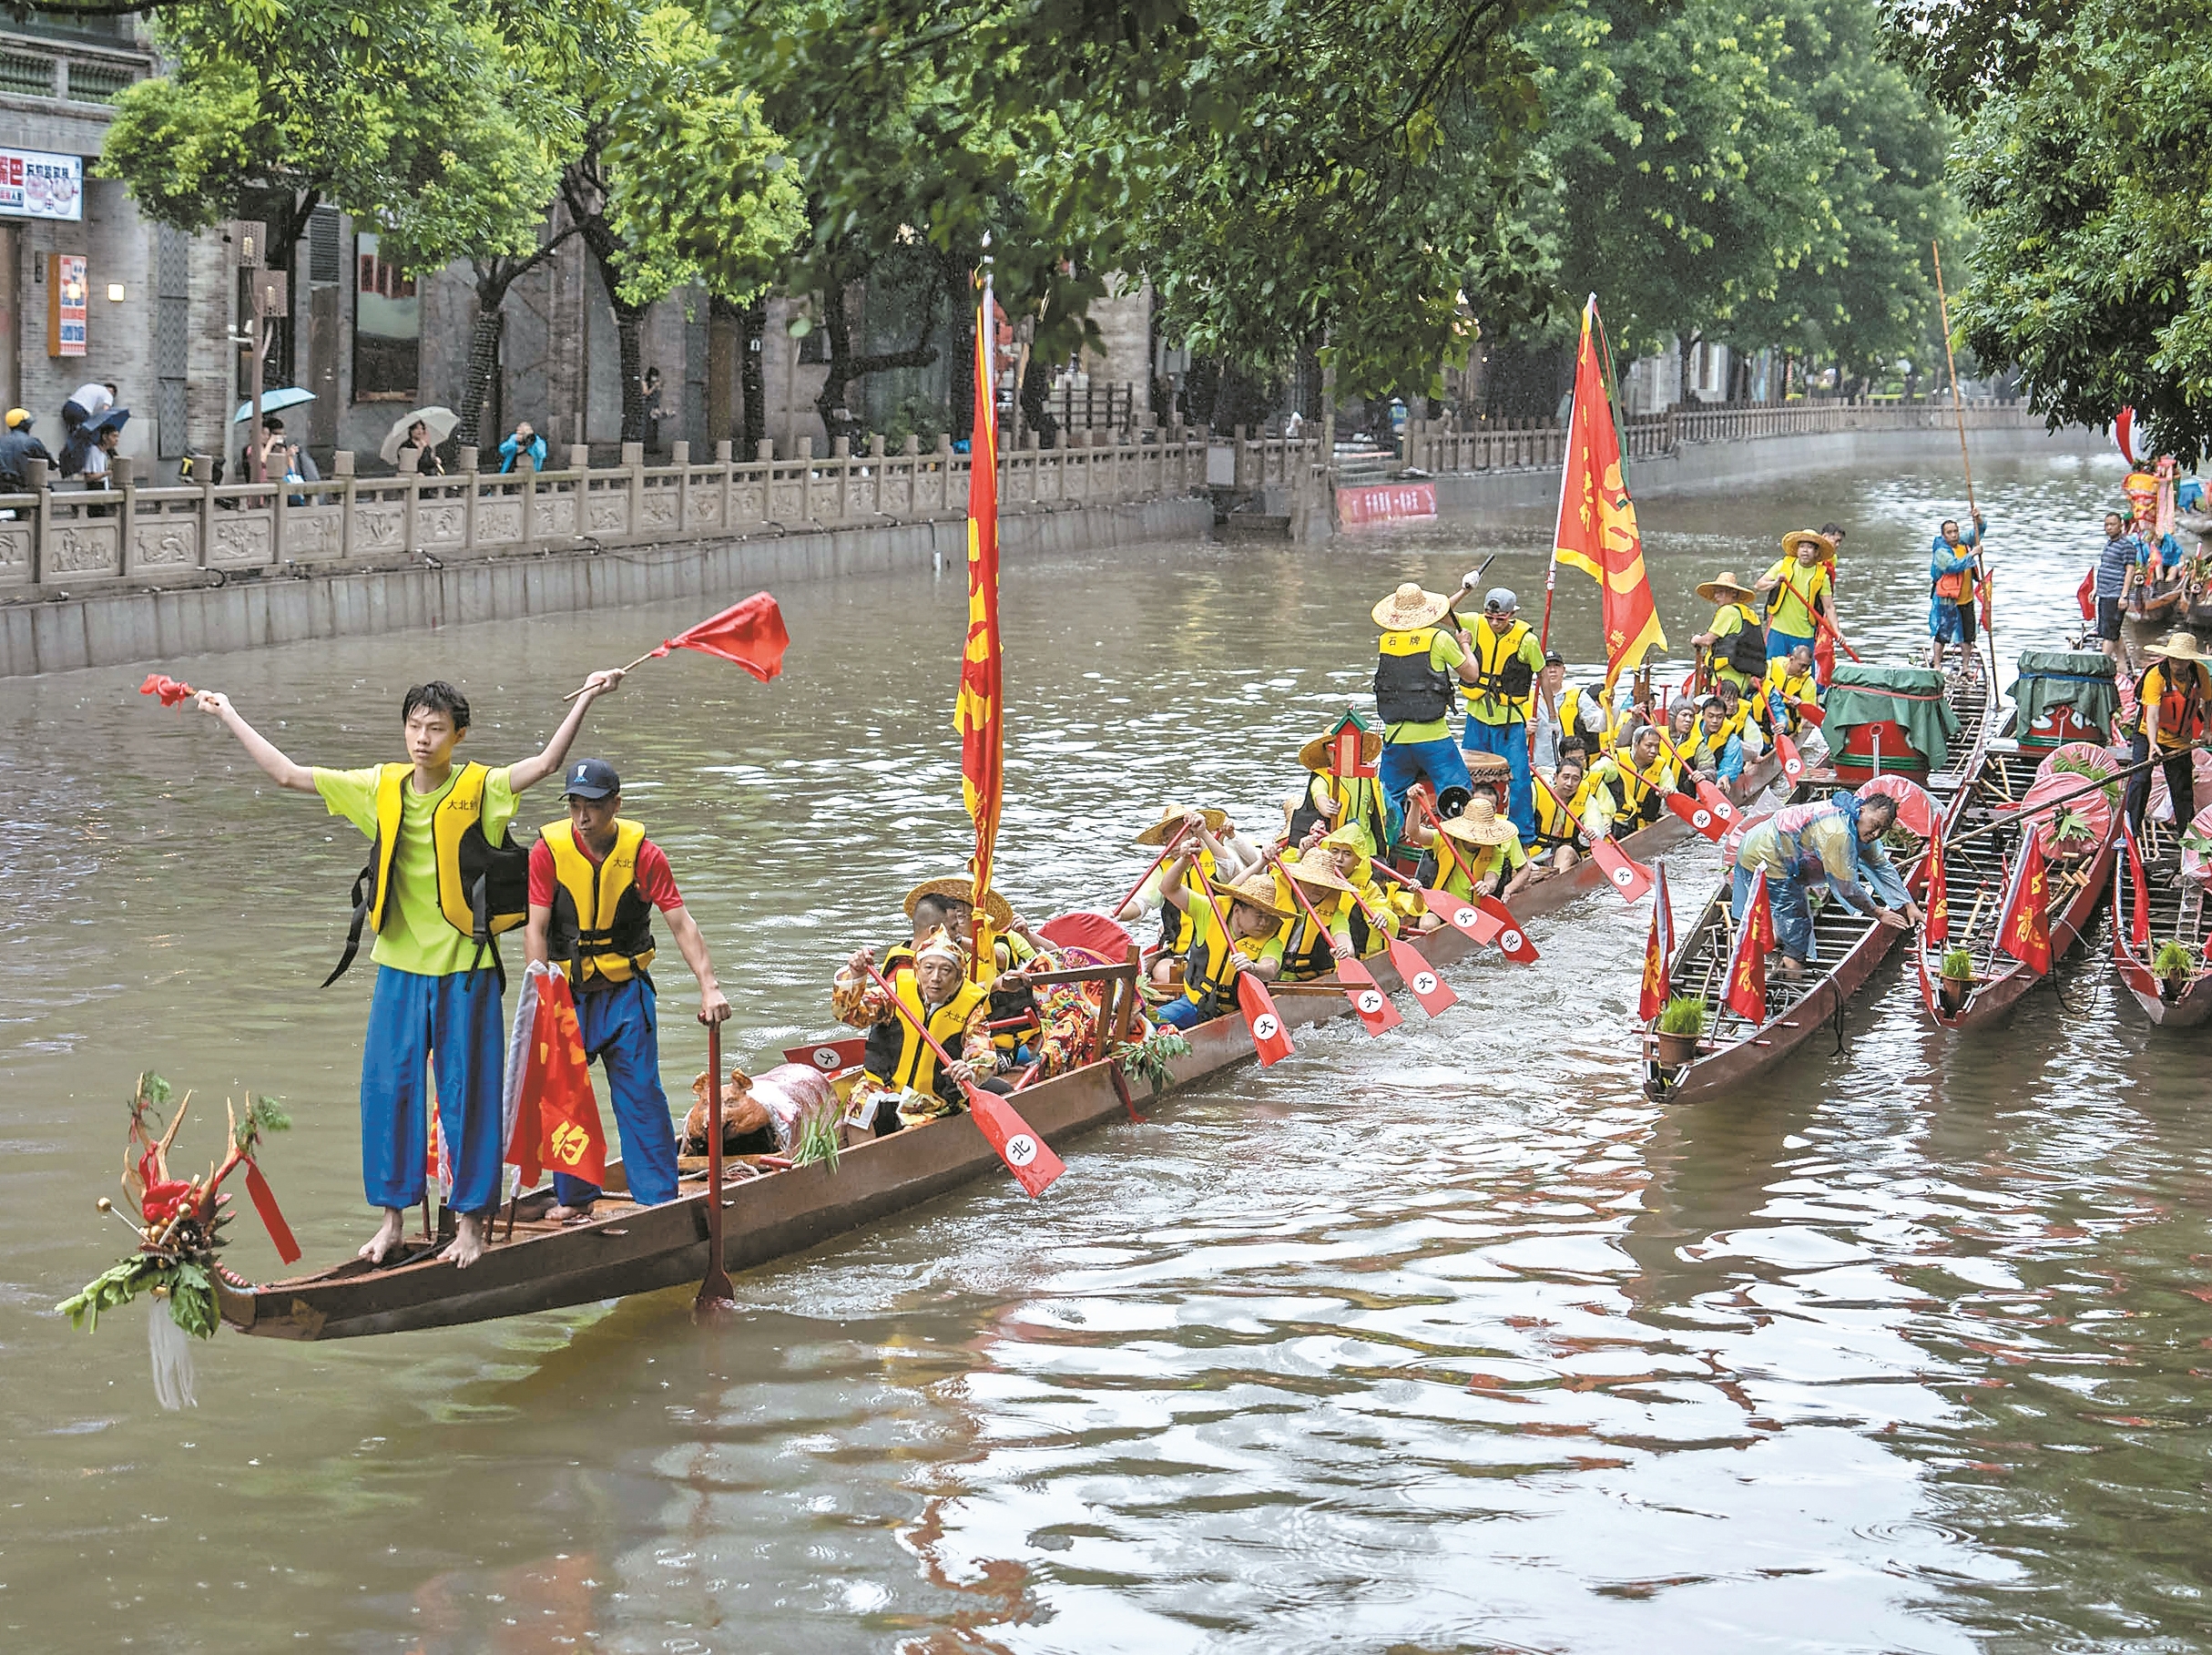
(420, 432)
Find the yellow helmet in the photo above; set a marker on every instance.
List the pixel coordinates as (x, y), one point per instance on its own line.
(18, 419)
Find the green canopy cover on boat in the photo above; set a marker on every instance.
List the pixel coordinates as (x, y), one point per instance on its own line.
(2059, 677)
(1914, 695)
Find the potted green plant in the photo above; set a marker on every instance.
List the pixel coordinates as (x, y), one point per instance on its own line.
(1956, 982)
(1681, 1022)
(2172, 965)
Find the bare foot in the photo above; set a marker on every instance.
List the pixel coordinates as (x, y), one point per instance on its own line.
(469, 1239)
(378, 1247)
(571, 1215)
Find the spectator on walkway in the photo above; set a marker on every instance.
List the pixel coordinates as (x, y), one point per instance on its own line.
(284, 460)
(106, 436)
(18, 448)
(427, 463)
(86, 403)
(525, 440)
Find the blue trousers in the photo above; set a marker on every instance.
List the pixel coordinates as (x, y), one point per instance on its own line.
(1182, 1012)
(1781, 643)
(453, 1023)
(1405, 763)
(1792, 913)
(1509, 740)
(621, 1035)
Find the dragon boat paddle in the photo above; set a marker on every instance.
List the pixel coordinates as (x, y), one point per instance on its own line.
(1820, 622)
(716, 1296)
(1175, 841)
(1028, 1156)
(1486, 919)
(1431, 990)
(1374, 1009)
(1270, 1039)
(1623, 872)
(1717, 805)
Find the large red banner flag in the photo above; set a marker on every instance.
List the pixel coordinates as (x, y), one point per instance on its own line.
(1598, 532)
(556, 1122)
(1659, 950)
(979, 713)
(2026, 934)
(1746, 990)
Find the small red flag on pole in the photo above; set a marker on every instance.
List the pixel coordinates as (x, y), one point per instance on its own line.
(1659, 950)
(749, 632)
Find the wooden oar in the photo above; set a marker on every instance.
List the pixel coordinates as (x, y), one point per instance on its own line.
(1270, 1039)
(1374, 1009)
(1461, 915)
(1174, 839)
(1434, 994)
(1627, 875)
(1722, 808)
(2046, 806)
(715, 1293)
(1820, 622)
(1028, 1156)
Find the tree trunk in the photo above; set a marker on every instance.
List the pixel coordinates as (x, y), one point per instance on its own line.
(1684, 344)
(482, 365)
(963, 294)
(1037, 389)
(846, 370)
(724, 342)
(750, 368)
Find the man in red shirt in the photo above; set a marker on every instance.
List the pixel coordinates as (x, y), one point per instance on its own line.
(594, 881)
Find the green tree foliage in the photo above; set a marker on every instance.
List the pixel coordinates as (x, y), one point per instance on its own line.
(412, 116)
(2087, 163)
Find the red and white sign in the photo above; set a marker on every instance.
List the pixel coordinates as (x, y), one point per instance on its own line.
(68, 301)
(35, 185)
(1386, 502)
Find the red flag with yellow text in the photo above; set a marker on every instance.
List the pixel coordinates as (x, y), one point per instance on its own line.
(979, 713)
(1658, 949)
(1746, 990)
(556, 1124)
(1597, 531)
(2026, 933)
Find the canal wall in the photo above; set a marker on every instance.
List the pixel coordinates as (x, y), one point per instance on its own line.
(1704, 464)
(146, 575)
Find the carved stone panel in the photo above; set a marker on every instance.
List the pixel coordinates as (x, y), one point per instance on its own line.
(657, 505)
(378, 528)
(440, 525)
(312, 534)
(784, 504)
(748, 501)
(165, 543)
(240, 538)
(498, 522)
(555, 518)
(611, 513)
(899, 495)
(15, 552)
(704, 509)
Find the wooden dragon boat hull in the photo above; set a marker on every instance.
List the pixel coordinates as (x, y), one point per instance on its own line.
(2176, 912)
(1977, 877)
(633, 1249)
(1849, 947)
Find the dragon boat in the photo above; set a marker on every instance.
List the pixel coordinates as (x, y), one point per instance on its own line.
(772, 1212)
(1942, 751)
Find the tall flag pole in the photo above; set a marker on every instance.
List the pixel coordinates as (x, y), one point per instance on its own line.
(979, 713)
(1598, 532)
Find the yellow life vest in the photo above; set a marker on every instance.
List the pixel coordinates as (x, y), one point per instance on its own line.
(482, 888)
(915, 1067)
(1554, 827)
(602, 929)
(1506, 688)
(1570, 719)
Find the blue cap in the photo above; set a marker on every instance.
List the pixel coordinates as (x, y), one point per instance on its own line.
(591, 778)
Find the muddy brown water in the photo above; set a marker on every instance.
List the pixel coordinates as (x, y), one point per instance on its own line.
(1448, 1340)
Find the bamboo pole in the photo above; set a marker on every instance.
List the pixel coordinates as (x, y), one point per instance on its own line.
(1958, 409)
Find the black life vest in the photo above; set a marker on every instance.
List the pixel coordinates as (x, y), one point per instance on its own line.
(602, 929)
(483, 889)
(1408, 690)
(1744, 649)
(1367, 809)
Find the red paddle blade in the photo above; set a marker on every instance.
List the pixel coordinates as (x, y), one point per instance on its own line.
(1813, 713)
(265, 1203)
(1270, 1039)
(1630, 877)
(1459, 914)
(1793, 764)
(1028, 1156)
(1719, 804)
(1373, 1007)
(1434, 994)
(1092, 932)
(1512, 942)
(1698, 814)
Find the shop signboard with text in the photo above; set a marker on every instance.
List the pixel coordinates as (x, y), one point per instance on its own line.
(36, 185)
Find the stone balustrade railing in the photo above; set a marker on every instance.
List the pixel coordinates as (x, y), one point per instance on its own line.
(1436, 446)
(59, 538)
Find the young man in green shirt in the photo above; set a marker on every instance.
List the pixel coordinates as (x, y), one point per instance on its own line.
(436, 998)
